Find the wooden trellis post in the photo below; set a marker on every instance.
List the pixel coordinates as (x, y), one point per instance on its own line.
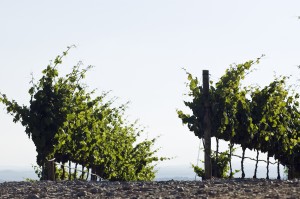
(207, 126)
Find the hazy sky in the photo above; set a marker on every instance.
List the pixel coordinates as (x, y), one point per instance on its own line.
(138, 48)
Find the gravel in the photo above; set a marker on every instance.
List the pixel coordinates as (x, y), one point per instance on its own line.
(218, 188)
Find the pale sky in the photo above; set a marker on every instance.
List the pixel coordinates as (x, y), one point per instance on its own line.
(138, 48)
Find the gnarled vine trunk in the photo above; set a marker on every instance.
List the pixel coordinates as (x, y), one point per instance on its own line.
(75, 171)
(216, 172)
(242, 162)
(230, 157)
(278, 171)
(268, 163)
(69, 170)
(82, 172)
(93, 172)
(256, 165)
(62, 177)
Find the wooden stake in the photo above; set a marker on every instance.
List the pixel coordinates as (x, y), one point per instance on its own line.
(207, 126)
(51, 170)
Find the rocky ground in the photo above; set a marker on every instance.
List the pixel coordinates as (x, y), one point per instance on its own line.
(234, 188)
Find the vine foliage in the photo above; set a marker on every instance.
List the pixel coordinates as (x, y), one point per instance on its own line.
(66, 122)
(263, 119)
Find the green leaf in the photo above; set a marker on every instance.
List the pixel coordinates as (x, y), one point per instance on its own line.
(266, 138)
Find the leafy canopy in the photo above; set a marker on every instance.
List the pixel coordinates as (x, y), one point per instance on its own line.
(66, 122)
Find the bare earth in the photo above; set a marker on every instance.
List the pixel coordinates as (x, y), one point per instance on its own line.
(234, 188)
